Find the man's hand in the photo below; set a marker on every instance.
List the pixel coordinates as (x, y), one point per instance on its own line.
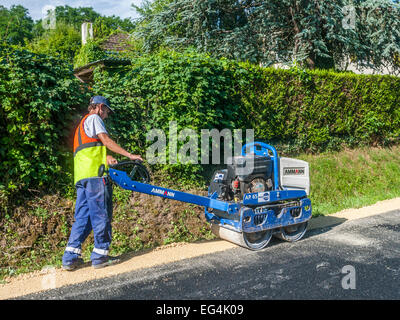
(111, 160)
(135, 157)
(114, 147)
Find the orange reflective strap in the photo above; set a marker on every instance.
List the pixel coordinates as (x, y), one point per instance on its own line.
(81, 140)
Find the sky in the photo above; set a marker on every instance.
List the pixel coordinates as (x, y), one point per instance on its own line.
(121, 8)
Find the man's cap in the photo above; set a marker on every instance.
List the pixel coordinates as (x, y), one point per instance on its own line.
(101, 99)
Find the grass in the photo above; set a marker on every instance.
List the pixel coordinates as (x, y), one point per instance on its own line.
(353, 178)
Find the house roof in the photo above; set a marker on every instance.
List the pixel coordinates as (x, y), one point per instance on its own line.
(116, 42)
(85, 73)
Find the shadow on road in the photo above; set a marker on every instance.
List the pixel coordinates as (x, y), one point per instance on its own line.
(316, 226)
(323, 224)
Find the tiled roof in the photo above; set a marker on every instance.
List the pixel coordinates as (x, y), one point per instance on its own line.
(85, 73)
(116, 42)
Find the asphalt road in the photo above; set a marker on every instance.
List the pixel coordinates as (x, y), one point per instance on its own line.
(358, 259)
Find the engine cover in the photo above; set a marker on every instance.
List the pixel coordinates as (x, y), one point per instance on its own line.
(244, 174)
(249, 166)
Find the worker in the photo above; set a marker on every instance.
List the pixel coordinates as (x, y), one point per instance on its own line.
(93, 209)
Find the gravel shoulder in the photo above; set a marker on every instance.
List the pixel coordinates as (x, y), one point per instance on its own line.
(51, 278)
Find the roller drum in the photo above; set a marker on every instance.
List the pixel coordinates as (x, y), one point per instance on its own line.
(253, 241)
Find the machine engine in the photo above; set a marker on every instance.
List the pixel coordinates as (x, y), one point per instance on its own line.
(244, 174)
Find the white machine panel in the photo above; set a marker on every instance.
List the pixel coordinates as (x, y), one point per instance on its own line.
(294, 174)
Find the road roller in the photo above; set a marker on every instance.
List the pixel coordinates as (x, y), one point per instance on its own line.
(258, 195)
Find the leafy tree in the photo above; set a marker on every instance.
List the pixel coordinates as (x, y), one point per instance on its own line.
(311, 33)
(380, 28)
(148, 8)
(64, 41)
(150, 12)
(105, 26)
(15, 25)
(102, 25)
(76, 16)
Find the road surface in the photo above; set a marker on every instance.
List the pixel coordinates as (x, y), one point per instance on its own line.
(357, 259)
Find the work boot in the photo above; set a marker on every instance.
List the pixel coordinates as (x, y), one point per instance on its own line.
(105, 262)
(73, 265)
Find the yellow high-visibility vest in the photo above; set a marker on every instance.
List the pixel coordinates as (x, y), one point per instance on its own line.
(89, 154)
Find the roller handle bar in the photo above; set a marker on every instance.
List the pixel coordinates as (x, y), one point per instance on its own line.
(264, 152)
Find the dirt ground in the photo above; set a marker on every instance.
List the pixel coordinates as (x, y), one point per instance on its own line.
(50, 277)
(38, 231)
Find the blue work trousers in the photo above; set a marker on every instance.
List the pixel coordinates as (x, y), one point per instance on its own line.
(93, 211)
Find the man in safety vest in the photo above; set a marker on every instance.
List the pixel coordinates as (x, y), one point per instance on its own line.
(93, 209)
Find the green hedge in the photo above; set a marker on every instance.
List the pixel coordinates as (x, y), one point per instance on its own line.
(193, 90)
(88, 53)
(39, 96)
(296, 110)
(321, 110)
